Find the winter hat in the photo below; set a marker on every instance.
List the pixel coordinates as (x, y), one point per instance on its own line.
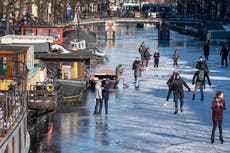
(176, 73)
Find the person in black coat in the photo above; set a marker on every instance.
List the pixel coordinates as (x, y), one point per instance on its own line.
(178, 91)
(199, 80)
(105, 93)
(202, 65)
(156, 56)
(224, 56)
(169, 83)
(206, 51)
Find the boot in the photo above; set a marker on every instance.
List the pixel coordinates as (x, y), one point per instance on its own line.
(212, 139)
(221, 139)
(202, 98)
(181, 108)
(193, 97)
(176, 110)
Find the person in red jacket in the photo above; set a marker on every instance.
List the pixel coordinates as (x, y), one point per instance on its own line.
(218, 105)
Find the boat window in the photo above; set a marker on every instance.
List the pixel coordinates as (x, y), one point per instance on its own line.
(67, 70)
(55, 34)
(41, 32)
(29, 32)
(3, 66)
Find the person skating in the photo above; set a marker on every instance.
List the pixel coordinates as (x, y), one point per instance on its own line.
(137, 59)
(156, 56)
(206, 51)
(141, 47)
(202, 65)
(142, 50)
(147, 56)
(170, 87)
(98, 96)
(218, 106)
(178, 91)
(119, 74)
(138, 68)
(105, 94)
(175, 58)
(199, 81)
(224, 56)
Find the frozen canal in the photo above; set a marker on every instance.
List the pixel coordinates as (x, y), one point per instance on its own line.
(138, 121)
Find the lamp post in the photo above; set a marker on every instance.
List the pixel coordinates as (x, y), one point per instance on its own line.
(77, 18)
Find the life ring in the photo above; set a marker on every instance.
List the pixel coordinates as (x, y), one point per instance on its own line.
(50, 87)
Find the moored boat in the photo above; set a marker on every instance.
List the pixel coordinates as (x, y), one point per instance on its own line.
(14, 136)
(101, 76)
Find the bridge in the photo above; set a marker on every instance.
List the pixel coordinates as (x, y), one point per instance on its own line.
(193, 27)
(136, 20)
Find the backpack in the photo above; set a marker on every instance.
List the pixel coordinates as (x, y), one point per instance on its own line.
(140, 49)
(201, 75)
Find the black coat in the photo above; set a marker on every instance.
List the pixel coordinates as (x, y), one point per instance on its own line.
(169, 82)
(195, 78)
(202, 65)
(177, 86)
(224, 52)
(105, 91)
(156, 56)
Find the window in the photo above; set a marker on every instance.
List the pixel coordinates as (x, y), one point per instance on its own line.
(29, 32)
(55, 34)
(3, 66)
(41, 32)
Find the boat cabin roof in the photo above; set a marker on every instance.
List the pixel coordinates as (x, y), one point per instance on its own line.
(78, 55)
(13, 49)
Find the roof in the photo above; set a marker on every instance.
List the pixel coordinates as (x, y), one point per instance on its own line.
(13, 48)
(75, 55)
(106, 72)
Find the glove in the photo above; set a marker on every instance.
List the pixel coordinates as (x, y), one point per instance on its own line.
(192, 83)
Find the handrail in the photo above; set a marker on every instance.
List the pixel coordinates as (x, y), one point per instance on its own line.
(12, 106)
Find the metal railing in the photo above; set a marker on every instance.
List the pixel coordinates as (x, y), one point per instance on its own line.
(43, 96)
(12, 106)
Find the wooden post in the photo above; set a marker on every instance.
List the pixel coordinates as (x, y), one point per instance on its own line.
(109, 30)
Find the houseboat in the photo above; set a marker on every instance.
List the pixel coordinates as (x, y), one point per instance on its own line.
(68, 39)
(71, 70)
(14, 72)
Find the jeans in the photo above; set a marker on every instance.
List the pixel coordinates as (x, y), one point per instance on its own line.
(224, 60)
(169, 93)
(175, 62)
(137, 82)
(199, 85)
(176, 102)
(98, 106)
(214, 127)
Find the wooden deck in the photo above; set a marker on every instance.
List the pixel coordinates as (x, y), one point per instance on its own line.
(41, 99)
